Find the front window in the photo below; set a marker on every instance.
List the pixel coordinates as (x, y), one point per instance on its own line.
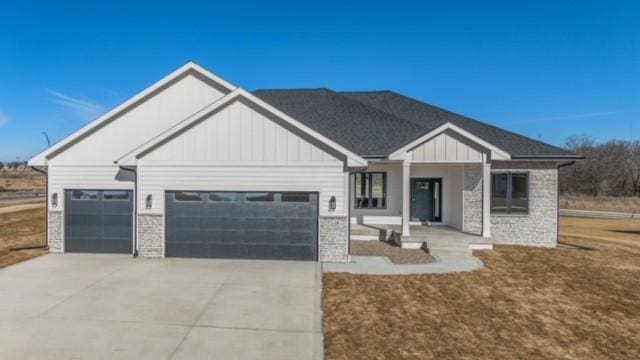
(509, 193)
(370, 190)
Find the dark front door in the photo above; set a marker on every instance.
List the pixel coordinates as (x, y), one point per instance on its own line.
(98, 221)
(242, 225)
(426, 199)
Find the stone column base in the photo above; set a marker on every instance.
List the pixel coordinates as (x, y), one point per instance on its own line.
(333, 239)
(55, 223)
(150, 236)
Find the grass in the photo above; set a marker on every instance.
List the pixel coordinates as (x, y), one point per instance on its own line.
(15, 180)
(23, 228)
(578, 301)
(601, 203)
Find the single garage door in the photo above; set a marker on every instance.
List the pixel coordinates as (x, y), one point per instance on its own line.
(98, 221)
(242, 225)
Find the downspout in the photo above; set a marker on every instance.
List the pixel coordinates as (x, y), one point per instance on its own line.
(558, 199)
(46, 211)
(135, 208)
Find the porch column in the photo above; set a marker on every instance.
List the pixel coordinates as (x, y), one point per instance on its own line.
(486, 196)
(406, 197)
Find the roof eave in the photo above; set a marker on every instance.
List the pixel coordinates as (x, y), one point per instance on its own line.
(547, 157)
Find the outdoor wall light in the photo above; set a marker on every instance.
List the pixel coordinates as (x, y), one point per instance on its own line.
(332, 204)
(54, 200)
(148, 202)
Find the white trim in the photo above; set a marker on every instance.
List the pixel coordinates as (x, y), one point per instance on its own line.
(42, 158)
(400, 154)
(131, 157)
(486, 197)
(406, 198)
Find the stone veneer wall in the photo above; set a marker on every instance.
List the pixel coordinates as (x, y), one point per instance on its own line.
(150, 235)
(472, 199)
(333, 239)
(56, 231)
(540, 226)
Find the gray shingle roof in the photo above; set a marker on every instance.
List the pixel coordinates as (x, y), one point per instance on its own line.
(377, 123)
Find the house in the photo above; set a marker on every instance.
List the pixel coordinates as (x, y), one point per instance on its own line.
(194, 166)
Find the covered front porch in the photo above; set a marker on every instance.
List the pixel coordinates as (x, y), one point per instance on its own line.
(434, 237)
(436, 189)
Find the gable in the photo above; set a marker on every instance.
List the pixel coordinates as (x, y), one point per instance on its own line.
(169, 106)
(167, 101)
(238, 132)
(446, 147)
(440, 145)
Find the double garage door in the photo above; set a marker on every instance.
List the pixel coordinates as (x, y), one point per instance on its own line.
(241, 225)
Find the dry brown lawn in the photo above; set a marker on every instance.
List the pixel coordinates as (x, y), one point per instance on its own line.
(18, 229)
(27, 179)
(578, 301)
(601, 203)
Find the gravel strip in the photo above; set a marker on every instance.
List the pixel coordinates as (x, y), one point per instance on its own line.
(396, 254)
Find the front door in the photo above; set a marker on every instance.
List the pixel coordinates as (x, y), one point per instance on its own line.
(426, 199)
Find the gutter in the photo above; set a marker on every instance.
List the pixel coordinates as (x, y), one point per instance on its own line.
(135, 207)
(544, 157)
(46, 213)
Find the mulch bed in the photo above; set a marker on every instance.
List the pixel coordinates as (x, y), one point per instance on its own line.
(396, 254)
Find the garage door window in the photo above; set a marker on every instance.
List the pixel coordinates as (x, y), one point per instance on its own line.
(223, 196)
(260, 197)
(115, 195)
(295, 197)
(187, 196)
(84, 195)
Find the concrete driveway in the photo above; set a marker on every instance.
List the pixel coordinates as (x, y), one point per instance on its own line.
(81, 306)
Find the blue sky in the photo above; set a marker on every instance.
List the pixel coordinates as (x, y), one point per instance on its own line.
(545, 69)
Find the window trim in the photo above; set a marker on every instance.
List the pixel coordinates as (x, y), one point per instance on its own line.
(97, 198)
(308, 195)
(384, 190)
(270, 194)
(508, 211)
(128, 198)
(175, 198)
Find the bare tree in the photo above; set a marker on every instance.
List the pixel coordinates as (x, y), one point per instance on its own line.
(611, 168)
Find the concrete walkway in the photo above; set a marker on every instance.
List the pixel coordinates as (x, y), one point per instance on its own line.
(447, 260)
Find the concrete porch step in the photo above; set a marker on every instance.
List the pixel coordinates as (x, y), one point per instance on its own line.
(366, 232)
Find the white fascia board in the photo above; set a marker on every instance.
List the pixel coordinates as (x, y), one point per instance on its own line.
(131, 157)
(400, 154)
(42, 158)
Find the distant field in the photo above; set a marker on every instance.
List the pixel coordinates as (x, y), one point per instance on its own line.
(601, 203)
(12, 180)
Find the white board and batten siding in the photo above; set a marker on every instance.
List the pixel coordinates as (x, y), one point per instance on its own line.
(149, 118)
(445, 148)
(239, 149)
(88, 164)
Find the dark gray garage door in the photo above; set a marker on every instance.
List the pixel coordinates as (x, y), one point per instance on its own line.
(242, 225)
(98, 221)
